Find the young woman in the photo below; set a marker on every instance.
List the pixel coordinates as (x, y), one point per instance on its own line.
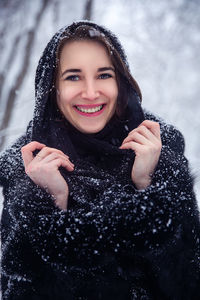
(96, 207)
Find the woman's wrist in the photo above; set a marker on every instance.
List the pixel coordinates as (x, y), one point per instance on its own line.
(61, 201)
(142, 183)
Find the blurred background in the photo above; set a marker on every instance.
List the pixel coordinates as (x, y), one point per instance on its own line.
(162, 41)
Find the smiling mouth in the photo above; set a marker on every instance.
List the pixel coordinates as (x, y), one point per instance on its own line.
(90, 110)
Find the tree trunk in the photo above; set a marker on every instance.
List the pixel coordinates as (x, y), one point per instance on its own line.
(88, 10)
(21, 75)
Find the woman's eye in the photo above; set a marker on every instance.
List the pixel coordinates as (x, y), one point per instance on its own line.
(72, 78)
(105, 76)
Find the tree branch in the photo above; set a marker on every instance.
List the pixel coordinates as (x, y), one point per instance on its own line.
(21, 75)
(88, 10)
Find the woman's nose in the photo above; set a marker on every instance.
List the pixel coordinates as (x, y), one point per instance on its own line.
(90, 91)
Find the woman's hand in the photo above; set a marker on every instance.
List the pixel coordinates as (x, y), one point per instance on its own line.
(43, 169)
(146, 142)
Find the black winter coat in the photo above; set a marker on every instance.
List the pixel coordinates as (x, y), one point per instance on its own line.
(114, 241)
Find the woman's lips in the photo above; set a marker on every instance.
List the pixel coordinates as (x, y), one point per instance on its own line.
(90, 110)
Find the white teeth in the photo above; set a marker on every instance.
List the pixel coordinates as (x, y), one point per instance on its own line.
(89, 110)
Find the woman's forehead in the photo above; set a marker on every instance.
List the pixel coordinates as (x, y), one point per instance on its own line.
(84, 51)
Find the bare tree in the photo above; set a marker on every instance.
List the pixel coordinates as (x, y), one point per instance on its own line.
(21, 74)
(88, 10)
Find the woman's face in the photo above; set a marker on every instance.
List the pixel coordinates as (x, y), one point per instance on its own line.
(86, 85)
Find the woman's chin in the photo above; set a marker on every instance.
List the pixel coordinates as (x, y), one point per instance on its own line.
(91, 128)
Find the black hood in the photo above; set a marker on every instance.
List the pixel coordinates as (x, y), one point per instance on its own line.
(45, 77)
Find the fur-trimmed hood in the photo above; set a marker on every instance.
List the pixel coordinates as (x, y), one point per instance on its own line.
(47, 66)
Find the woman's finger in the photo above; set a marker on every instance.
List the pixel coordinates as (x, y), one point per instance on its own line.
(154, 137)
(45, 151)
(60, 162)
(153, 126)
(132, 145)
(144, 135)
(136, 136)
(52, 156)
(141, 135)
(27, 151)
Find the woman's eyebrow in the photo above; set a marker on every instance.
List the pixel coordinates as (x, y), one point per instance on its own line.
(79, 70)
(106, 69)
(71, 71)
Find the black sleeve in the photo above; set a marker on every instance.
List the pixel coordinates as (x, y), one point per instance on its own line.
(169, 202)
(155, 211)
(118, 216)
(59, 237)
(10, 161)
(161, 223)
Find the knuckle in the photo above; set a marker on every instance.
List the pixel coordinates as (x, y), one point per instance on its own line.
(27, 146)
(57, 161)
(134, 133)
(23, 149)
(145, 122)
(130, 133)
(53, 155)
(28, 170)
(46, 149)
(57, 155)
(156, 124)
(54, 150)
(142, 127)
(33, 143)
(60, 152)
(60, 160)
(33, 169)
